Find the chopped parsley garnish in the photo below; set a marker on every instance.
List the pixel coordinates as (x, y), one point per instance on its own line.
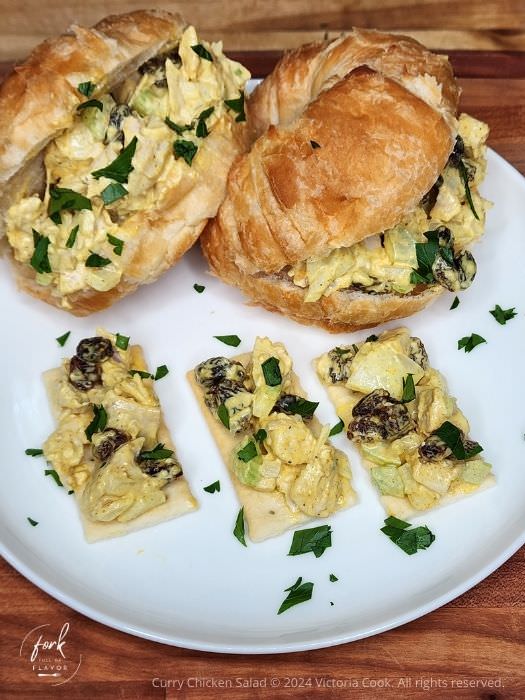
(63, 198)
(202, 130)
(199, 288)
(503, 315)
(469, 342)
(453, 438)
(202, 52)
(122, 341)
(409, 390)
(32, 522)
(86, 89)
(97, 104)
(72, 237)
(120, 168)
(313, 539)
(237, 106)
(141, 373)
(96, 260)
(272, 372)
(337, 428)
(113, 192)
(99, 422)
(160, 372)
(301, 407)
(117, 244)
(238, 530)
(426, 254)
(333, 578)
(232, 340)
(185, 149)
(464, 176)
(298, 593)
(248, 452)
(213, 488)
(62, 339)
(54, 475)
(315, 145)
(261, 435)
(224, 416)
(371, 339)
(40, 259)
(34, 452)
(408, 538)
(177, 128)
(454, 304)
(158, 452)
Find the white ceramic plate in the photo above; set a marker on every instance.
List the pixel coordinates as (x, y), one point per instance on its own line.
(189, 582)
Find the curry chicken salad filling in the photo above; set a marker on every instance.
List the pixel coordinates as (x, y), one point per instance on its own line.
(408, 428)
(128, 151)
(111, 446)
(429, 247)
(274, 447)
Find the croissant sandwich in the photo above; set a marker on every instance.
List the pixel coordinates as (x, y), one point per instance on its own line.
(115, 144)
(359, 197)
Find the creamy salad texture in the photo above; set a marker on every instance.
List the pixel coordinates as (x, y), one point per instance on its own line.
(277, 449)
(408, 428)
(126, 152)
(106, 444)
(386, 262)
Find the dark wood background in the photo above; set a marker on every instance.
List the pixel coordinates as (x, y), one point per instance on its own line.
(480, 636)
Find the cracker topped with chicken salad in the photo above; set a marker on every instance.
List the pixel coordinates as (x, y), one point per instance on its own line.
(111, 446)
(283, 467)
(408, 428)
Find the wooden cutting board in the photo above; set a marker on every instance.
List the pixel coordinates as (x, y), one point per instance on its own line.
(474, 647)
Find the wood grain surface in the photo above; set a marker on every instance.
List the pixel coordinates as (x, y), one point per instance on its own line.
(474, 647)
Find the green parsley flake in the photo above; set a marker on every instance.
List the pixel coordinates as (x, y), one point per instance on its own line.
(333, 578)
(199, 288)
(213, 488)
(117, 244)
(158, 452)
(62, 339)
(464, 176)
(232, 340)
(408, 538)
(409, 390)
(113, 192)
(469, 342)
(141, 373)
(34, 452)
(315, 145)
(122, 341)
(160, 372)
(302, 407)
(40, 259)
(223, 415)
(61, 198)
(97, 104)
(313, 539)
(72, 237)
(503, 315)
(177, 128)
(185, 149)
(238, 530)
(86, 89)
(337, 428)
(453, 438)
(237, 105)
(54, 475)
(96, 260)
(202, 130)
(248, 452)
(202, 52)
(454, 304)
(298, 593)
(272, 372)
(32, 522)
(120, 168)
(99, 422)
(261, 435)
